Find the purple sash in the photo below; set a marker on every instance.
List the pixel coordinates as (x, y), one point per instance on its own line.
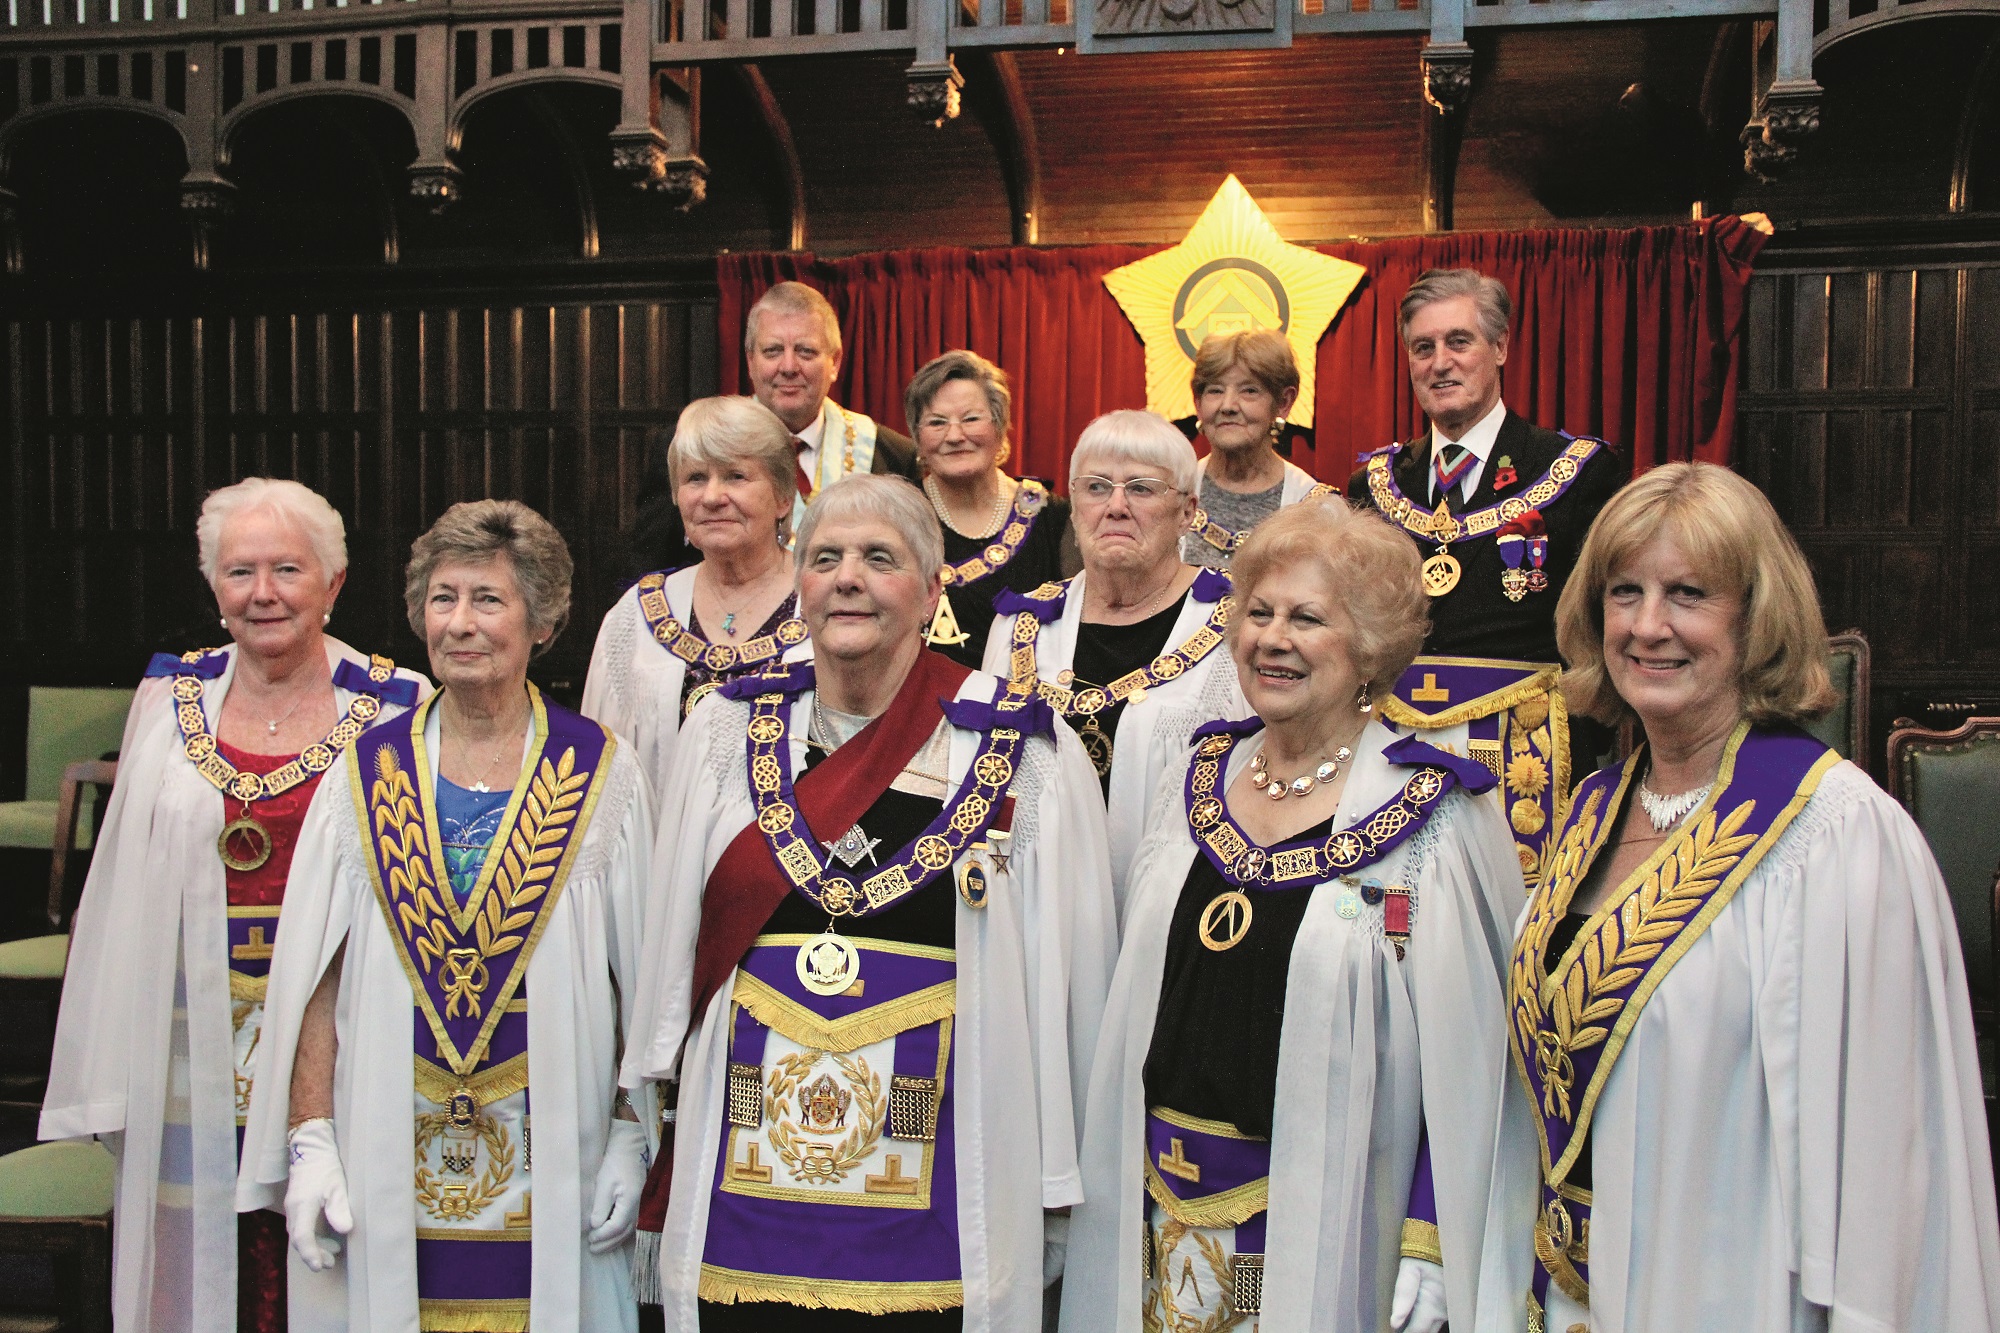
(1569, 1025)
(465, 963)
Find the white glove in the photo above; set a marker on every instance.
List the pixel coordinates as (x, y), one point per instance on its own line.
(1419, 1303)
(621, 1179)
(316, 1186)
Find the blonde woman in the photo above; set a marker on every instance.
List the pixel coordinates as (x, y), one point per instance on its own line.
(1739, 1021)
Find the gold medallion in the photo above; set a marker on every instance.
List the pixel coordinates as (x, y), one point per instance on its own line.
(259, 837)
(944, 629)
(828, 964)
(972, 883)
(1441, 573)
(1225, 921)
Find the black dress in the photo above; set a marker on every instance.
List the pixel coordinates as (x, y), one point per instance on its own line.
(1215, 1039)
(1103, 654)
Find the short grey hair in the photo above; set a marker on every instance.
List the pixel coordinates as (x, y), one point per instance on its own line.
(1489, 298)
(714, 432)
(793, 298)
(1146, 439)
(476, 531)
(289, 500)
(884, 496)
(928, 382)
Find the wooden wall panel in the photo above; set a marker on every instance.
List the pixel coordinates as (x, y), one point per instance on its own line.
(1871, 417)
(117, 426)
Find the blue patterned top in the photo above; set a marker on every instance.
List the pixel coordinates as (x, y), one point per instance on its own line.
(467, 821)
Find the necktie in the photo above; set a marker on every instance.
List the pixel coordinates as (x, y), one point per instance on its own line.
(1452, 463)
(799, 476)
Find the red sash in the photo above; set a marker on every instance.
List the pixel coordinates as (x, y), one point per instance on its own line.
(746, 885)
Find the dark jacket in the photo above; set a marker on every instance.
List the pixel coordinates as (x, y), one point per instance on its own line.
(1475, 619)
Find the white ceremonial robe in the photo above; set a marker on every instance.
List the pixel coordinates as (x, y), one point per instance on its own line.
(1152, 737)
(1372, 1050)
(586, 958)
(145, 1050)
(1032, 968)
(634, 685)
(1794, 1137)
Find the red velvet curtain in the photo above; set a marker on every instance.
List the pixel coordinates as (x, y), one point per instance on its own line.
(1629, 334)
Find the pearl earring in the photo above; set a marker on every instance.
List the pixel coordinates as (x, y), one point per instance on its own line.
(1366, 702)
(326, 618)
(222, 621)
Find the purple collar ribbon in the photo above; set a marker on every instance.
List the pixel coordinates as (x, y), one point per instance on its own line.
(466, 962)
(690, 647)
(1029, 500)
(1570, 1023)
(1441, 526)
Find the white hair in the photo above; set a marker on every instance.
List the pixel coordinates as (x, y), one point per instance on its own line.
(1144, 439)
(297, 504)
(884, 496)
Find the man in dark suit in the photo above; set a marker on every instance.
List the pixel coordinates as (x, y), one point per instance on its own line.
(1499, 507)
(791, 339)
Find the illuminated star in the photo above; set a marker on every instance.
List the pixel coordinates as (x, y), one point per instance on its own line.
(1231, 272)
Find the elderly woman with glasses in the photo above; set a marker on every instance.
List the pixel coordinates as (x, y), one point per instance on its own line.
(1292, 1116)
(468, 891)
(1739, 1028)
(678, 634)
(1127, 650)
(999, 533)
(157, 1042)
(1244, 383)
(878, 969)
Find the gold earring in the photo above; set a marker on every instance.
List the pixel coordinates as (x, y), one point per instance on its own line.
(1366, 703)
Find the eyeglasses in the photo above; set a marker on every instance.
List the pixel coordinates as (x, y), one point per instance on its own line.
(1138, 490)
(968, 423)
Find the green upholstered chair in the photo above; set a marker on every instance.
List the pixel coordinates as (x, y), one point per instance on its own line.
(1950, 783)
(64, 725)
(1846, 727)
(55, 1199)
(31, 970)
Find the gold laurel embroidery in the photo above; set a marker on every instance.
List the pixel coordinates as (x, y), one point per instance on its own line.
(431, 1192)
(1587, 1002)
(399, 830)
(852, 1151)
(1561, 870)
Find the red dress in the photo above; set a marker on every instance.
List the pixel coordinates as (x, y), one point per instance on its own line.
(260, 1236)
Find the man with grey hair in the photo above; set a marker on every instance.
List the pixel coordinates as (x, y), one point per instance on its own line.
(878, 971)
(791, 342)
(1499, 508)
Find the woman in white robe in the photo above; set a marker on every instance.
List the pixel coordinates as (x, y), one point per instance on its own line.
(678, 634)
(542, 1239)
(1137, 616)
(1032, 958)
(1370, 888)
(157, 1037)
(1740, 1020)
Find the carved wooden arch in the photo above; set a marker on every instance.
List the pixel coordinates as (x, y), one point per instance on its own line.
(462, 106)
(1838, 32)
(228, 128)
(34, 115)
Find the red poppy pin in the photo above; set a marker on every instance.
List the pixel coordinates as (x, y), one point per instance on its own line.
(1503, 473)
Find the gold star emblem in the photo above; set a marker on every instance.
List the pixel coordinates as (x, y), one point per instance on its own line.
(1231, 272)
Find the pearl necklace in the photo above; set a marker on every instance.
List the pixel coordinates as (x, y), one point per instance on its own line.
(944, 514)
(1302, 785)
(1667, 811)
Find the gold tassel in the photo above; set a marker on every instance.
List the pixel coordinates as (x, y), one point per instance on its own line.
(472, 1316)
(727, 1286)
(794, 1022)
(1226, 1208)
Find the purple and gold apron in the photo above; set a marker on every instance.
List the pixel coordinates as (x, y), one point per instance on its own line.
(1567, 1025)
(467, 963)
(1208, 1186)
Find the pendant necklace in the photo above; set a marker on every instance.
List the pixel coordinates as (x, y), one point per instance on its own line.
(244, 825)
(728, 616)
(1667, 811)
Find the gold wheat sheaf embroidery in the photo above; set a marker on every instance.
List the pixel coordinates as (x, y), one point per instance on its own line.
(1587, 1002)
(527, 866)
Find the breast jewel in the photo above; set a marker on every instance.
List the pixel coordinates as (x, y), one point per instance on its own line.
(1225, 540)
(1246, 864)
(828, 963)
(1030, 497)
(1441, 571)
(372, 686)
(721, 658)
